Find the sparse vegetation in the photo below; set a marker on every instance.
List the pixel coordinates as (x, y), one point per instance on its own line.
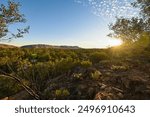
(67, 75)
(62, 93)
(62, 72)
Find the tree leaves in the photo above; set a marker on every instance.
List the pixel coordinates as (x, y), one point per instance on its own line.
(131, 30)
(9, 15)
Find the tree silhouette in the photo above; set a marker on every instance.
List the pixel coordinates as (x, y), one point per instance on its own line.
(131, 30)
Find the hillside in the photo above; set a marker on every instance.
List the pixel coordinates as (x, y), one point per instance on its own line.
(40, 46)
(49, 46)
(7, 46)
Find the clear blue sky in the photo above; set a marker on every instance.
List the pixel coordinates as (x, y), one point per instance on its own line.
(65, 22)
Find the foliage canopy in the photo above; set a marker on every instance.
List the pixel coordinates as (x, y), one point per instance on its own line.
(10, 14)
(132, 29)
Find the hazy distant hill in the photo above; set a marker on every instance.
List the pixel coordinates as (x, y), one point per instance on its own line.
(49, 46)
(7, 46)
(39, 46)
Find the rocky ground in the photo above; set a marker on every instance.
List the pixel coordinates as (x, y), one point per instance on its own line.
(130, 81)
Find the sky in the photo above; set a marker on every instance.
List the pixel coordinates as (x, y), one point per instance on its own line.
(82, 23)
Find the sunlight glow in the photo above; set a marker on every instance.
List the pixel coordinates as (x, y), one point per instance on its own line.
(115, 42)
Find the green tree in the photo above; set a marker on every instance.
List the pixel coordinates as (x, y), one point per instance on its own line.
(144, 6)
(9, 15)
(131, 30)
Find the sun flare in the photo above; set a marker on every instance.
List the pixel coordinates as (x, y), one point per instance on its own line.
(115, 42)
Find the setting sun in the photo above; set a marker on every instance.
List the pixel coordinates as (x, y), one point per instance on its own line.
(115, 42)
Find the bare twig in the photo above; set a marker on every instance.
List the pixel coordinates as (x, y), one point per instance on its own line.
(27, 88)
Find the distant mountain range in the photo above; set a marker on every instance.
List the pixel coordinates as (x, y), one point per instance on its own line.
(49, 46)
(40, 46)
(7, 46)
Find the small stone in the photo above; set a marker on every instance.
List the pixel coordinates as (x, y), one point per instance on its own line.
(108, 73)
(109, 98)
(103, 86)
(120, 95)
(100, 84)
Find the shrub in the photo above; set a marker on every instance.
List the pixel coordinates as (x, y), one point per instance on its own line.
(96, 75)
(98, 56)
(64, 65)
(8, 87)
(65, 92)
(119, 68)
(58, 93)
(77, 75)
(86, 64)
(43, 57)
(62, 93)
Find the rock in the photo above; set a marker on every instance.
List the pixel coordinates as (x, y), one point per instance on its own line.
(109, 98)
(117, 89)
(6, 98)
(103, 86)
(103, 96)
(98, 96)
(108, 73)
(120, 95)
(99, 84)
